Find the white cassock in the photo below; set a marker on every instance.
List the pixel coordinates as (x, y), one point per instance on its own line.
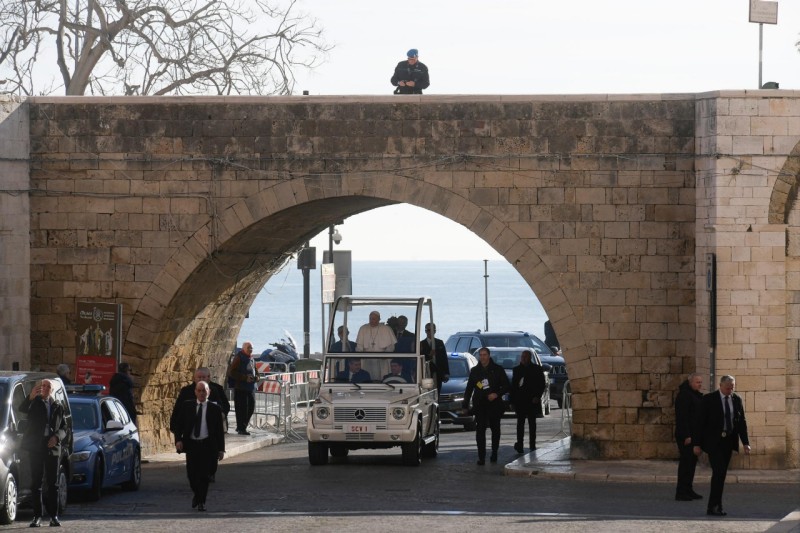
(375, 339)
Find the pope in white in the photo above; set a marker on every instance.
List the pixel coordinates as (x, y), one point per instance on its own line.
(374, 336)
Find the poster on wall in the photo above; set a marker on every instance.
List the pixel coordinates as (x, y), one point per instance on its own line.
(98, 342)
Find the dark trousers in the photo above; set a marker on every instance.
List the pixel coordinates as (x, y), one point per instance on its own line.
(244, 402)
(483, 419)
(686, 467)
(44, 470)
(719, 458)
(201, 460)
(530, 417)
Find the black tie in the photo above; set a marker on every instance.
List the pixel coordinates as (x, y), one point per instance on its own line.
(728, 422)
(198, 420)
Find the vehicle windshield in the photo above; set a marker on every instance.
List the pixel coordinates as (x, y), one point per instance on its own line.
(378, 325)
(3, 405)
(541, 347)
(365, 370)
(506, 341)
(84, 416)
(458, 368)
(506, 359)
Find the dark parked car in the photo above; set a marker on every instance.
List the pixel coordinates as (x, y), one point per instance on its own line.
(473, 340)
(14, 473)
(508, 358)
(453, 391)
(107, 450)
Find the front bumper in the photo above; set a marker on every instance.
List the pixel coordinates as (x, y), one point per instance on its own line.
(384, 435)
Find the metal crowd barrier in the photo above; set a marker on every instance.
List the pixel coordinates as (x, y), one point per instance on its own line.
(566, 410)
(283, 399)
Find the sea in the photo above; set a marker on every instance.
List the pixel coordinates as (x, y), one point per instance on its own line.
(458, 290)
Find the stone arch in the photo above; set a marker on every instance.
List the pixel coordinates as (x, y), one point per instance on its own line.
(213, 278)
(784, 209)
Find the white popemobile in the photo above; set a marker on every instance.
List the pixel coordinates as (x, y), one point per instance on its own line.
(376, 394)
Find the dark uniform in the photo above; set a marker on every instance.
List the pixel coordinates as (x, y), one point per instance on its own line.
(482, 382)
(527, 386)
(687, 407)
(418, 73)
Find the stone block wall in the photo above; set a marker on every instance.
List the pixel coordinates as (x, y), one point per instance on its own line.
(15, 281)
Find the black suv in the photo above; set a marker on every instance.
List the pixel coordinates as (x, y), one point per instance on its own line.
(470, 341)
(14, 481)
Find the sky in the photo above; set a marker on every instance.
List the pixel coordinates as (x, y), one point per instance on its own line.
(538, 47)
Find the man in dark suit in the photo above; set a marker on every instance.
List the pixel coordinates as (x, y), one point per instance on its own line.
(45, 430)
(527, 386)
(354, 373)
(435, 353)
(687, 407)
(201, 437)
(217, 395)
(488, 383)
(719, 426)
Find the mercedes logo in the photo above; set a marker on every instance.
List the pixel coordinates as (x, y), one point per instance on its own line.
(360, 414)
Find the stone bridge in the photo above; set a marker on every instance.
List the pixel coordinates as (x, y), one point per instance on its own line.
(181, 208)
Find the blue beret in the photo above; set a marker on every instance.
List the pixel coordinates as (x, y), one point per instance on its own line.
(412, 53)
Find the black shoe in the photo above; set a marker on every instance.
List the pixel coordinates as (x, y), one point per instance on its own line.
(518, 447)
(54, 522)
(481, 461)
(243, 432)
(493, 457)
(201, 507)
(36, 522)
(716, 511)
(695, 496)
(194, 502)
(683, 498)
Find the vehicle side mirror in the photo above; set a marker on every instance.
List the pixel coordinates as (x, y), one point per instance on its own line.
(428, 384)
(114, 425)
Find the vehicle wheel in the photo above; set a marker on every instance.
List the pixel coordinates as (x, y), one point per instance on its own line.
(62, 490)
(9, 512)
(317, 453)
(412, 451)
(93, 494)
(432, 449)
(136, 473)
(470, 426)
(339, 450)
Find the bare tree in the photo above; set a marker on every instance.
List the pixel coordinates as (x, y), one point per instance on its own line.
(156, 47)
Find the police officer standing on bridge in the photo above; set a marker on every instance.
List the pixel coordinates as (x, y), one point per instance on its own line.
(410, 76)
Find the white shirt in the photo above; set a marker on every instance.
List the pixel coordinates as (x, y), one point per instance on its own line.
(375, 339)
(203, 423)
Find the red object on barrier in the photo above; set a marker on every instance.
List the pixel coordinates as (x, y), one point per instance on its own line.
(270, 387)
(300, 378)
(313, 374)
(262, 367)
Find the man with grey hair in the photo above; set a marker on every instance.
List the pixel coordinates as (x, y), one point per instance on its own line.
(718, 429)
(687, 407)
(63, 372)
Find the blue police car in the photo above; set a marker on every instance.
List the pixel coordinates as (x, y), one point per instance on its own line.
(106, 450)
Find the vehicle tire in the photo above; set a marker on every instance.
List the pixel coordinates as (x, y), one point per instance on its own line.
(94, 492)
(339, 450)
(412, 451)
(317, 453)
(136, 473)
(432, 449)
(62, 485)
(9, 512)
(470, 426)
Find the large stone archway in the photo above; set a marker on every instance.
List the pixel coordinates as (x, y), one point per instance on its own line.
(181, 208)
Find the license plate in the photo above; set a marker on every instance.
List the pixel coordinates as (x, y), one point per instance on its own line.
(360, 428)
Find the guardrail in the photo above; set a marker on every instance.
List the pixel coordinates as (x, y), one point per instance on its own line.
(283, 399)
(566, 410)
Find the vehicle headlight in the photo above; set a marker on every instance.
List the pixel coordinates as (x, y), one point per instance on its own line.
(80, 456)
(323, 413)
(398, 413)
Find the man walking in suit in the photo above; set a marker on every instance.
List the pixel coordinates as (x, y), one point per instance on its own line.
(435, 353)
(719, 426)
(687, 407)
(527, 386)
(201, 436)
(45, 431)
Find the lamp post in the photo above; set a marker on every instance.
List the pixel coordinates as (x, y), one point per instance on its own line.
(306, 260)
(486, 290)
